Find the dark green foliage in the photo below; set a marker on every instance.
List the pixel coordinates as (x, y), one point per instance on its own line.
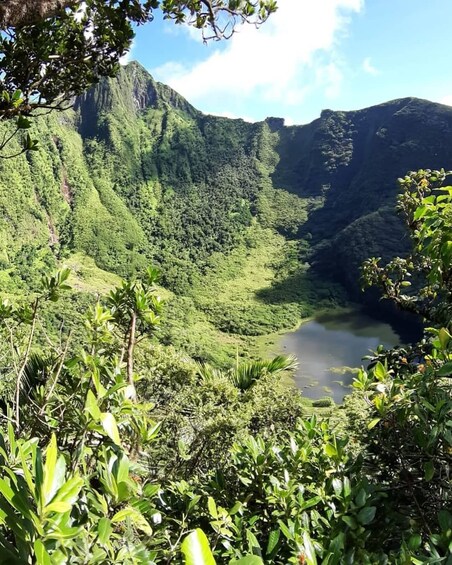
(136, 173)
(323, 402)
(233, 456)
(421, 283)
(202, 407)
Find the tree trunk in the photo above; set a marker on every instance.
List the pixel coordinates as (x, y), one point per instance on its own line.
(16, 13)
(130, 347)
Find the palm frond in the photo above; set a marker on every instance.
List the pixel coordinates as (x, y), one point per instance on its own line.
(35, 374)
(246, 374)
(281, 363)
(208, 373)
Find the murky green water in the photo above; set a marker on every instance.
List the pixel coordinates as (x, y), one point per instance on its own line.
(330, 346)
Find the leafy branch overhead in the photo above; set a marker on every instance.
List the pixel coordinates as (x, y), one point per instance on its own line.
(53, 50)
(422, 282)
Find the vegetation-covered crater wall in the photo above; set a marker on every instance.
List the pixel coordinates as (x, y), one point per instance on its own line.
(135, 174)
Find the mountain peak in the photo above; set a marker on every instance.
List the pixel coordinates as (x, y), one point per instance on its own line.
(132, 91)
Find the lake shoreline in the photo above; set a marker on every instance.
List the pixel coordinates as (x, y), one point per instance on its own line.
(330, 347)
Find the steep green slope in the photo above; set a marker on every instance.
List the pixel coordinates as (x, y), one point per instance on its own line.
(191, 181)
(351, 160)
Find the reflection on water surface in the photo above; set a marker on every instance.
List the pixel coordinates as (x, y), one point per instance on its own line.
(330, 346)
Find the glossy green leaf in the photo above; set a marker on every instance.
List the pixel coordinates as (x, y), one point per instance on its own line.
(52, 474)
(309, 551)
(212, 507)
(14, 497)
(380, 371)
(59, 506)
(111, 427)
(366, 515)
(104, 530)
(196, 549)
(69, 492)
(330, 450)
(41, 554)
(92, 407)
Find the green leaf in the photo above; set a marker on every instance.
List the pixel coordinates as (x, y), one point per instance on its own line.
(445, 520)
(273, 540)
(26, 471)
(59, 506)
(104, 530)
(50, 470)
(247, 560)
(14, 498)
(380, 371)
(337, 486)
(373, 423)
(309, 550)
(420, 212)
(347, 487)
(121, 469)
(253, 542)
(366, 515)
(135, 517)
(444, 337)
(23, 123)
(414, 542)
(330, 450)
(351, 522)
(196, 549)
(64, 533)
(69, 491)
(361, 497)
(445, 370)
(92, 407)
(429, 470)
(311, 502)
(212, 507)
(285, 530)
(42, 557)
(110, 426)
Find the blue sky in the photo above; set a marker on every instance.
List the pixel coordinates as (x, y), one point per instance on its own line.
(310, 55)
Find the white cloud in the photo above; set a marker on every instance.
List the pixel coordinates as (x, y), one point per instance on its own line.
(330, 78)
(369, 68)
(446, 100)
(289, 56)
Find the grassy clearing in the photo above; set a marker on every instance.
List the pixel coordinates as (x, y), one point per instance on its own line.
(86, 276)
(250, 296)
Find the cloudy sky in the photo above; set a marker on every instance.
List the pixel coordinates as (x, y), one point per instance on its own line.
(310, 55)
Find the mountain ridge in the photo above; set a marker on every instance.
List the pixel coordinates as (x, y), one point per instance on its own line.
(135, 173)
